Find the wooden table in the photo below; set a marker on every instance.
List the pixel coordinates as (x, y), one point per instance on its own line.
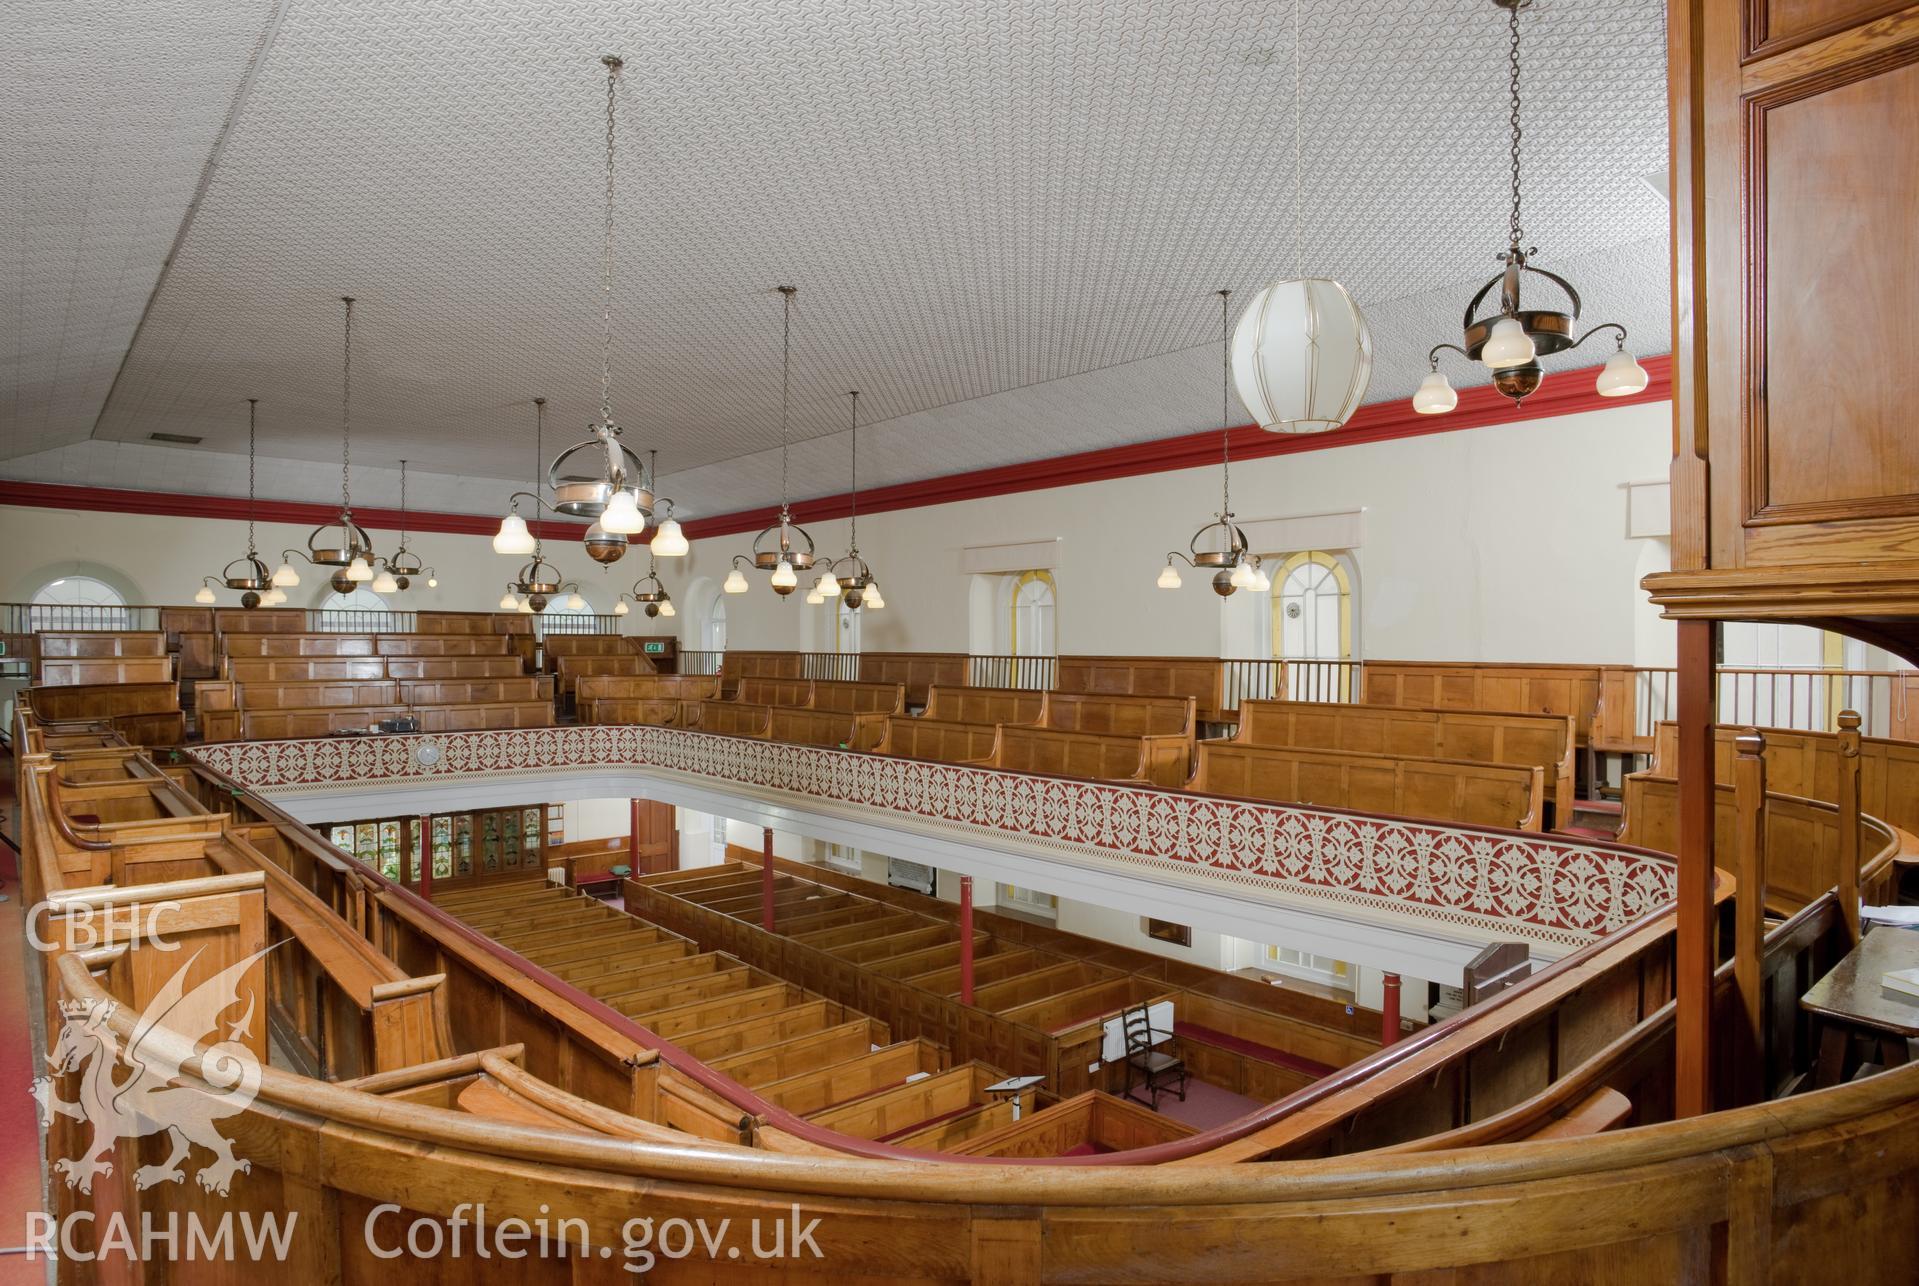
(1851, 1002)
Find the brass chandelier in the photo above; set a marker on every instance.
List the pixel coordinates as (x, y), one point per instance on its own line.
(1511, 341)
(784, 549)
(342, 543)
(1220, 546)
(538, 580)
(601, 477)
(848, 577)
(402, 567)
(654, 601)
(246, 573)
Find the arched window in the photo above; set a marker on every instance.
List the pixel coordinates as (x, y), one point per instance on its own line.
(1034, 631)
(79, 603)
(361, 611)
(1313, 609)
(846, 626)
(715, 640)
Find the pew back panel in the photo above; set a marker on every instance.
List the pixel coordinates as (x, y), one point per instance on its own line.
(1510, 796)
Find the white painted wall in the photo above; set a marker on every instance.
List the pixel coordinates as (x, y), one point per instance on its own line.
(597, 818)
(1504, 543)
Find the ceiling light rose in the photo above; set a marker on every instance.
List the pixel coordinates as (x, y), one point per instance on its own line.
(343, 541)
(1220, 545)
(1511, 341)
(1303, 355)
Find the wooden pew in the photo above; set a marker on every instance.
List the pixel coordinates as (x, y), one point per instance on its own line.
(292, 724)
(1199, 677)
(797, 693)
(146, 714)
(329, 644)
(844, 697)
(1802, 844)
(1485, 685)
(569, 670)
(90, 644)
(1091, 1122)
(1161, 761)
(560, 646)
(1511, 796)
(939, 740)
(917, 672)
(826, 728)
(737, 667)
(735, 718)
(77, 671)
(671, 700)
(832, 1083)
(984, 705)
(1540, 740)
(301, 669)
(1807, 764)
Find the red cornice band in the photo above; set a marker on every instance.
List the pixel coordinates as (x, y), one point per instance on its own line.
(1564, 393)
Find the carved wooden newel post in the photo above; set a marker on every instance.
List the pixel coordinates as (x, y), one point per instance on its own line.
(1749, 855)
(966, 939)
(1848, 883)
(766, 878)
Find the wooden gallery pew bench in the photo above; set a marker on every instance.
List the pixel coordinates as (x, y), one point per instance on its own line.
(261, 711)
(667, 700)
(1509, 796)
(1544, 741)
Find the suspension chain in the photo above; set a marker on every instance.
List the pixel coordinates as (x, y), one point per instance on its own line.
(1225, 403)
(346, 416)
(1299, 152)
(613, 65)
(853, 524)
(786, 368)
(253, 405)
(1518, 232)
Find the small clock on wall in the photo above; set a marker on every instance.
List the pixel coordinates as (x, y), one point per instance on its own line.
(427, 754)
(1292, 611)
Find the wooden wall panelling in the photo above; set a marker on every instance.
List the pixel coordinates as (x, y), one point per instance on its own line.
(1510, 796)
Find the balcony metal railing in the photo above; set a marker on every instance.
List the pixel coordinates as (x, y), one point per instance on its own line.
(1034, 673)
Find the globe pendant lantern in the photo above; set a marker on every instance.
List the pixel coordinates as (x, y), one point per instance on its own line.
(602, 546)
(1302, 356)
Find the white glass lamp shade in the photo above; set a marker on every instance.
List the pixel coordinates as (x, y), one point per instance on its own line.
(1242, 577)
(813, 596)
(357, 570)
(874, 599)
(513, 537)
(1435, 396)
(1508, 345)
(433, 582)
(623, 516)
(273, 597)
(508, 602)
(620, 608)
(783, 576)
(734, 583)
(525, 608)
(385, 584)
(829, 584)
(669, 541)
(1302, 356)
(1622, 376)
(205, 595)
(284, 577)
(574, 603)
(667, 608)
(1261, 581)
(1168, 577)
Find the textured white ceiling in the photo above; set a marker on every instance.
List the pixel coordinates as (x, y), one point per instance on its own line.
(1006, 218)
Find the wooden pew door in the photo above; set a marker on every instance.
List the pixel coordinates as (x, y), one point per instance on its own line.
(656, 837)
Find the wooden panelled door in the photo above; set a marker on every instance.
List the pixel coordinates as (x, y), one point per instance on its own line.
(656, 837)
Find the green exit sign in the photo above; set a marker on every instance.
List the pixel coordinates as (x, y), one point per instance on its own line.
(653, 647)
